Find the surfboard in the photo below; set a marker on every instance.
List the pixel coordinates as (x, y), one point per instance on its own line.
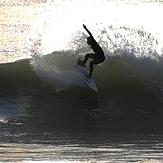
(84, 72)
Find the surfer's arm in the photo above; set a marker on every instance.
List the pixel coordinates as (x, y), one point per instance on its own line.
(87, 30)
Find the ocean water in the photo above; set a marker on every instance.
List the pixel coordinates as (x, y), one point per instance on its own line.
(48, 113)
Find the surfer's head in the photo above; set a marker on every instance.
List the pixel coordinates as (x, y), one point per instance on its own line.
(89, 41)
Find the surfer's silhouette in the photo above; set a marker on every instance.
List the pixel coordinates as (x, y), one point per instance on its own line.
(98, 56)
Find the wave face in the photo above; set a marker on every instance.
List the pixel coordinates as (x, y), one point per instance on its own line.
(129, 33)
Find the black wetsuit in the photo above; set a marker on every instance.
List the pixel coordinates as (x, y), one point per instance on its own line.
(98, 56)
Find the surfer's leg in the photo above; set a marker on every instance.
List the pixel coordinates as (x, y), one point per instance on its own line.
(89, 55)
(91, 68)
(95, 61)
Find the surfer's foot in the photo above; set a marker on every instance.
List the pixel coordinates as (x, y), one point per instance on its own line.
(89, 76)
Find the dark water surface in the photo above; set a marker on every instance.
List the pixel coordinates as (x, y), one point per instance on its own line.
(77, 124)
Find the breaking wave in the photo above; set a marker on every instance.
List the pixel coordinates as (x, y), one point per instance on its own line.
(129, 33)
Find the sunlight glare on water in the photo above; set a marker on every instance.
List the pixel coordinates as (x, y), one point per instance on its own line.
(60, 25)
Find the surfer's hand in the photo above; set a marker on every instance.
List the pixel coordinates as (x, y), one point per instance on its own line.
(87, 30)
(84, 26)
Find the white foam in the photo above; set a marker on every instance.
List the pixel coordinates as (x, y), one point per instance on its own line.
(115, 25)
(3, 120)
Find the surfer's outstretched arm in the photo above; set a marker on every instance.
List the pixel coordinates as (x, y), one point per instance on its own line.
(87, 30)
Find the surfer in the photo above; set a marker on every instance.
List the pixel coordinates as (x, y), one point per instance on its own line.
(98, 56)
